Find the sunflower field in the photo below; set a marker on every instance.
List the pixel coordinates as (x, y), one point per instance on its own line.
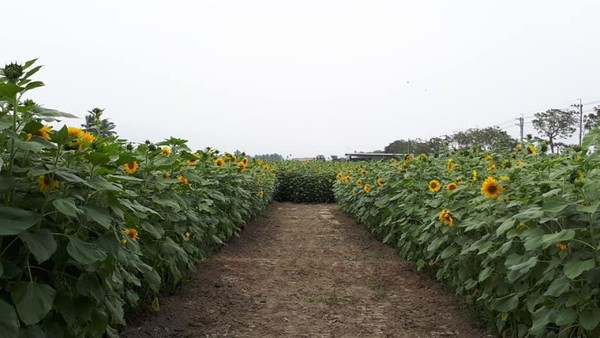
(517, 234)
(92, 227)
(305, 182)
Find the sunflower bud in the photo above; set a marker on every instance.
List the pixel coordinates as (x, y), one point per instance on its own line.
(13, 72)
(129, 146)
(151, 147)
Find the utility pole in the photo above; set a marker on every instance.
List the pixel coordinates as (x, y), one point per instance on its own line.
(580, 106)
(521, 125)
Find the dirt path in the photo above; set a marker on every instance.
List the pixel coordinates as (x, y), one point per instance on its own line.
(306, 271)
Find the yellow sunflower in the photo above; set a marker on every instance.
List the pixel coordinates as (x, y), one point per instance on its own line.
(266, 168)
(245, 161)
(451, 186)
(46, 184)
(187, 235)
(183, 180)
(367, 188)
(359, 182)
(261, 194)
(87, 137)
(408, 158)
(132, 233)
(131, 167)
(380, 182)
(219, 162)
(531, 149)
(434, 186)
(44, 132)
(339, 176)
(519, 146)
(392, 160)
(490, 188)
(446, 217)
(562, 246)
(450, 165)
(362, 171)
(474, 177)
(193, 161)
(346, 179)
(241, 165)
(166, 150)
(492, 166)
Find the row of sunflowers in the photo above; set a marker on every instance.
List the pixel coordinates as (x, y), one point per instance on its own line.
(92, 227)
(516, 234)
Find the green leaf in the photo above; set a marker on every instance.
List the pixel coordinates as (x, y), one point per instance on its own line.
(14, 220)
(9, 323)
(47, 114)
(566, 316)
(5, 125)
(84, 252)
(66, 207)
(558, 287)
(589, 319)
(505, 226)
(98, 215)
(98, 158)
(32, 300)
(575, 268)
(61, 136)
(506, 304)
(529, 214)
(100, 183)
(589, 209)
(150, 276)
(41, 244)
(154, 229)
(561, 236)
(32, 146)
(32, 332)
(9, 90)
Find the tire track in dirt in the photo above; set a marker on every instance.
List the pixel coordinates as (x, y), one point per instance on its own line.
(306, 271)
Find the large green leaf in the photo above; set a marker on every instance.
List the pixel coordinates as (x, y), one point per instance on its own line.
(589, 319)
(66, 207)
(575, 268)
(41, 244)
(32, 300)
(84, 252)
(561, 236)
(98, 215)
(9, 323)
(507, 304)
(558, 287)
(47, 114)
(14, 220)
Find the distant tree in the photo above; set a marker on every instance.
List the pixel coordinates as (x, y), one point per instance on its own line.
(416, 146)
(490, 138)
(95, 124)
(269, 157)
(320, 158)
(555, 124)
(592, 120)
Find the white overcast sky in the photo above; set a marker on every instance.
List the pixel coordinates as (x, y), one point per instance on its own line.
(303, 78)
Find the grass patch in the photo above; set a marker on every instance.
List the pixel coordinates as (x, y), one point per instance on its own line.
(329, 298)
(378, 291)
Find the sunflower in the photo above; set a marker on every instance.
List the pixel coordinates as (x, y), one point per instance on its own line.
(74, 131)
(183, 180)
(362, 171)
(421, 156)
(450, 165)
(132, 233)
(232, 158)
(219, 162)
(531, 149)
(562, 246)
(452, 186)
(166, 150)
(166, 175)
(187, 235)
(380, 182)
(87, 137)
(408, 158)
(492, 166)
(339, 176)
(434, 186)
(490, 188)
(446, 217)
(519, 146)
(46, 184)
(266, 168)
(392, 160)
(261, 194)
(131, 167)
(346, 179)
(367, 188)
(504, 178)
(245, 161)
(241, 165)
(474, 177)
(44, 132)
(359, 182)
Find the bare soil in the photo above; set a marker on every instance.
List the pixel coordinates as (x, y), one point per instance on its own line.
(307, 271)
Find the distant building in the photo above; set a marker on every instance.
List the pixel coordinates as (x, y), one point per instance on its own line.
(303, 159)
(372, 156)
